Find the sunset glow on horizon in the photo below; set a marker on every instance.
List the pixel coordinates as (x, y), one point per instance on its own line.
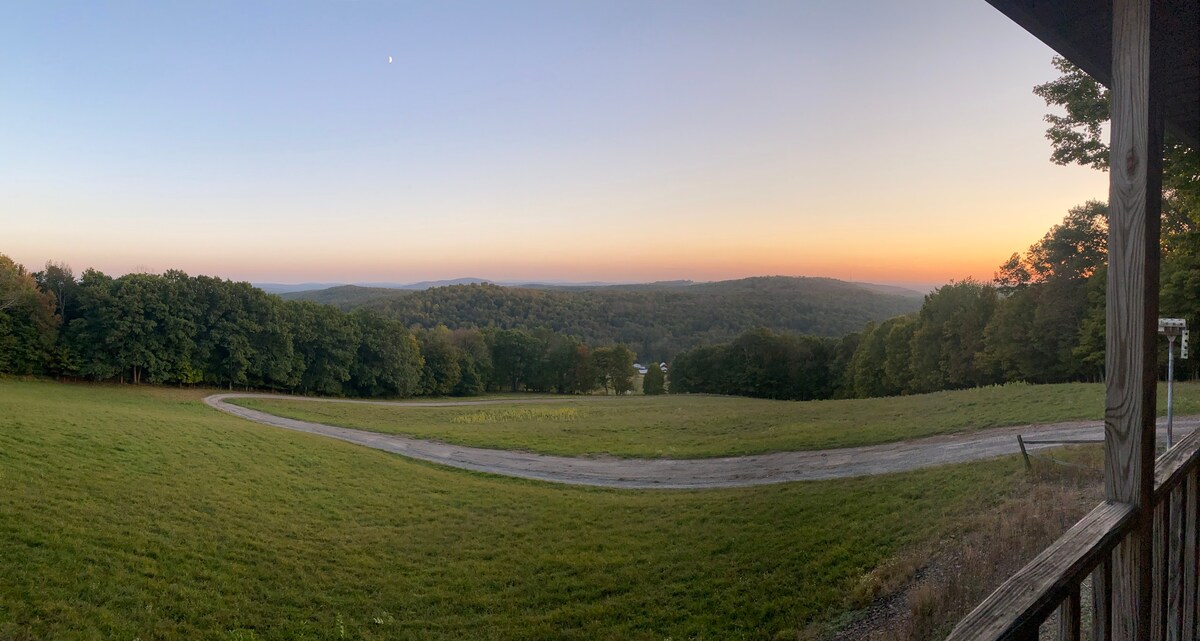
(531, 141)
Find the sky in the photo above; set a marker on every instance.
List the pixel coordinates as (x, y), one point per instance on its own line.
(875, 140)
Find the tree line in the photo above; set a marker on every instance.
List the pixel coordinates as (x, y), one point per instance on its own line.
(656, 320)
(178, 329)
(1040, 320)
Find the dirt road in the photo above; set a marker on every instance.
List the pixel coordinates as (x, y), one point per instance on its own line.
(737, 471)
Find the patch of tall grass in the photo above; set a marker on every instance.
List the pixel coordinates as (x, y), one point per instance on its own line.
(512, 414)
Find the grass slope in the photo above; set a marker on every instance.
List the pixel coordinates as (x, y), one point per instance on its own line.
(139, 513)
(702, 426)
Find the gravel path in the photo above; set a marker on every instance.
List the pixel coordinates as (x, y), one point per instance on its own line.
(737, 471)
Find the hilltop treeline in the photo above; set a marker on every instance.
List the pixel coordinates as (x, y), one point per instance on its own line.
(1041, 320)
(174, 328)
(656, 320)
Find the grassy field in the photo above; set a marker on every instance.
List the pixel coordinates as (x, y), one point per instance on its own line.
(701, 426)
(139, 513)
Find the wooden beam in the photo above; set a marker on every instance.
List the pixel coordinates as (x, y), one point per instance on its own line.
(1135, 200)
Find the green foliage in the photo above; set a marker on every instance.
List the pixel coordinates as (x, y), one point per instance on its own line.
(1071, 250)
(1073, 314)
(947, 343)
(327, 344)
(897, 348)
(614, 368)
(173, 328)
(1077, 137)
(515, 355)
(866, 367)
(654, 382)
(28, 323)
(442, 371)
(759, 363)
(656, 321)
(388, 362)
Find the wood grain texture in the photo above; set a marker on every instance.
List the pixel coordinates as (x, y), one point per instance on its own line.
(1135, 190)
(1102, 601)
(1131, 305)
(1175, 569)
(1030, 595)
(1190, 565)
(1069, 617)
(1158, 601)
(1174, 465)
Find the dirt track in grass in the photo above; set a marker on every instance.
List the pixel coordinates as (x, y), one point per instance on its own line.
(737, 471)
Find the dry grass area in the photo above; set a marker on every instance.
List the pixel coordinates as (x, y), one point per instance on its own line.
(515, 414)
(921, 595)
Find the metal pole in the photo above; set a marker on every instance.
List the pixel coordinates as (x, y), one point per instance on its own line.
(1170, 390)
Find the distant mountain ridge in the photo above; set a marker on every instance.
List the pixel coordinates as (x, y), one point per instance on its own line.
(655, 319)
(286, 288)
(294, 288)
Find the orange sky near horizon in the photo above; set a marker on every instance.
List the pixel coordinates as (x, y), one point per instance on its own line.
(701, 141)
(919, 242)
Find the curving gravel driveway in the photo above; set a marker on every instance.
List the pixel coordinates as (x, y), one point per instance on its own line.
(736, 471)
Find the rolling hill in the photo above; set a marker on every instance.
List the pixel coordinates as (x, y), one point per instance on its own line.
(655, 319)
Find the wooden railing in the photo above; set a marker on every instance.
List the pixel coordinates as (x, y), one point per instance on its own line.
(1051, 582)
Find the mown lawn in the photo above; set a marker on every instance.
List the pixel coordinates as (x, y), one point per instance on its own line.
(701, 426)
(131, 513)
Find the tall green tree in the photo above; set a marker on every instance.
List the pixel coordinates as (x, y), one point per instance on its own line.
(948, 341)
(28, 323)
(866, 367)
(475, 362)
(388, 361)
(327, 341)
(654, 383)
(1077, 133)
(441, 372)
(614, 366)
(897, 348)
(515, 354)
(59, 280)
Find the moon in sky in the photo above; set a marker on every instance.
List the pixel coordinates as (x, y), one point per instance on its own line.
(389, 60)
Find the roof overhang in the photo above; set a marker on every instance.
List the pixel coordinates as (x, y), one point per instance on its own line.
(1081, 31)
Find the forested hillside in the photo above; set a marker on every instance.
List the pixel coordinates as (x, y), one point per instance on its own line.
(656, 320)
(179, 329)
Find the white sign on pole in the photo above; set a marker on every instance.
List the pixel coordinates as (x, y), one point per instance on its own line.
(1171, 326)
(1183, 344)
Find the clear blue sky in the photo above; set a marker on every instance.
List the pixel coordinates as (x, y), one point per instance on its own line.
(876, 140)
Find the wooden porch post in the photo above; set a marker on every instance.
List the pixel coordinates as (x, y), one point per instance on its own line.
(1135, 203)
